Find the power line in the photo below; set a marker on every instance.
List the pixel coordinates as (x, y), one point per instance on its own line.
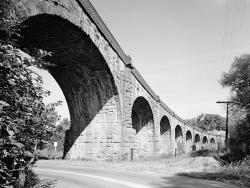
(225, 23)
(232, 25)
(226, 28)
(241, 18)
(236, 23)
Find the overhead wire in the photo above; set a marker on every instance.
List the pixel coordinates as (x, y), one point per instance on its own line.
(229, 33)
(233, 23)
(241, 19)
(235, 26)
(226, 29)
(225, 23)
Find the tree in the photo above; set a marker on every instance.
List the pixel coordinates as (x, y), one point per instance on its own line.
(238, 80)
(24, 118)
(208, 122)
(58, 136)
(59, 133)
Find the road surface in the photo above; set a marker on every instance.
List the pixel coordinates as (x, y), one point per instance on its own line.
(71, 176)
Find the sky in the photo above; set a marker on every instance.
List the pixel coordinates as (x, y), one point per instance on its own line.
(180, 47)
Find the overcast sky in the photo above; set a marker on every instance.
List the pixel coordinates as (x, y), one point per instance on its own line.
(180, 47)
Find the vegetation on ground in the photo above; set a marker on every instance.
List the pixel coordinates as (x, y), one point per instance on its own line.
(237, 173)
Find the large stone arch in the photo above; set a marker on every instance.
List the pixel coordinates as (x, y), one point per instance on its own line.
(189, 141)
(83, 71)
(179, 140)
(165, 131)
(143, 124)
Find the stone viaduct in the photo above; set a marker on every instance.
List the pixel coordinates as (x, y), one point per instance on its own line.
(111, 106)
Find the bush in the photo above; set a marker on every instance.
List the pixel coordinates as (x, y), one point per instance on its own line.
(237, 173)
(31, 179)
(202, 153)
(239, 142)
(49, 154)
(24, 118)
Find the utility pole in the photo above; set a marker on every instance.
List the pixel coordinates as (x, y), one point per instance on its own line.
(226, 102)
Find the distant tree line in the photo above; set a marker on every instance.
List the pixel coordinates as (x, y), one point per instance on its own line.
(208, 122)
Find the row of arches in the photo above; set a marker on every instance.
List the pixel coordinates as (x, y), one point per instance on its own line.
(143, 124)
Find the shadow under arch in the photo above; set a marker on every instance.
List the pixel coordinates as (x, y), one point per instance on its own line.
(197, 140)
(188, 136)
(212, 141)
(85, 79)
(165, 125)
(189, 143)
(165, 131)
(178, 132)
(179, 140)
(204, 140)
(141, 114)
(143, 124)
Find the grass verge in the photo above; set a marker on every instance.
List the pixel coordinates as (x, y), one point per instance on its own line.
(236, 173)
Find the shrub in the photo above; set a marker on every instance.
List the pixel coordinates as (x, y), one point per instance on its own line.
(237, 173)
(24, 118)
(204, 153)
(49, 154)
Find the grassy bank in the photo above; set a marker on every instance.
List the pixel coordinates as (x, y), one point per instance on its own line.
(237, 173)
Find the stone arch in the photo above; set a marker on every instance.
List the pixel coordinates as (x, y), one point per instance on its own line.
(143, 124)
(141, 114)
(197, 140)
(85, 78)
(189, 141)
(212, 141)
(178, 132)
(76, 13)
(179, 140)
(204, 140)
(165, 131)
(188, 135)
(165, 125)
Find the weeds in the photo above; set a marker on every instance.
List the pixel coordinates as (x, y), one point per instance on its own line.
(237, 173)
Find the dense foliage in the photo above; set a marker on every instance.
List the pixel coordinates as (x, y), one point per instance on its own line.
(208, 122)
(26, 123)
(58, 135)
(8, 22)
(24, 119)
(238, 80)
